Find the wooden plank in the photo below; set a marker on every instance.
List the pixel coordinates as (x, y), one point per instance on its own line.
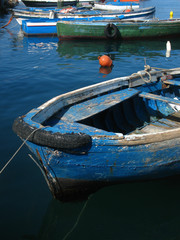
(159, 98)
(93, 106)
(169, 122)
(172, 82)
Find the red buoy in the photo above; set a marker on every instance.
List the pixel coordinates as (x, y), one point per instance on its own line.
(105, 61)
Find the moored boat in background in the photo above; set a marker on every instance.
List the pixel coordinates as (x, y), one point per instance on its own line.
(124, 129)
(149, 29)
(53, 3)
(46, 26)
(116, 5)
(75, 13)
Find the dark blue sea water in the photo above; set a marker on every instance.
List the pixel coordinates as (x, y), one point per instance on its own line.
(33, 70)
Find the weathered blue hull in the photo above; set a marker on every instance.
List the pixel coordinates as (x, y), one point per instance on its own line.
(76, 176)
(114, 164)
(107, 133)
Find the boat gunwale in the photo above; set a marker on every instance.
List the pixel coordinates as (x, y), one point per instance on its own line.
(126, 22)
(110, 85)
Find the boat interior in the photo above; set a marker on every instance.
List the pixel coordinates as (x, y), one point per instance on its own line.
(128, 111)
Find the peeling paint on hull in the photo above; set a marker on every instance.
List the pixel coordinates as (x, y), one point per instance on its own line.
(107, 166)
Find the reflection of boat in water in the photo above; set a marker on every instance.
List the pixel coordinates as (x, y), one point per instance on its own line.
(87, 49)
(34, 43)
(91, 49)
(116, 206)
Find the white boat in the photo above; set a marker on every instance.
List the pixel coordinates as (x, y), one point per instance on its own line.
(116, 6)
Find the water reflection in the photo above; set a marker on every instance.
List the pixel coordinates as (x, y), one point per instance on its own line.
(128, 211)
(91, 49)
(105, 70)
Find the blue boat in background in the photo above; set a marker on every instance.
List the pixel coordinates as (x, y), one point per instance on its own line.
(120, 130)
(40, 22)
(36, 27)
(78, 12)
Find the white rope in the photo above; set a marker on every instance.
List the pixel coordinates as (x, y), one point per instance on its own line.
(146, 70)
(140, 75)
(17, 151)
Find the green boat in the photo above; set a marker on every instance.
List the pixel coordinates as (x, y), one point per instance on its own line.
(119, 30)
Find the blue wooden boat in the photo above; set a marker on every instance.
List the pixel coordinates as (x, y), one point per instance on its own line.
(37, 27)
(76, 13)
(46, 26)
(124, 129)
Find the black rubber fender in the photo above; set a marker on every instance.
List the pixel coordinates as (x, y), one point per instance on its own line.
(49, 139)
(111, 31)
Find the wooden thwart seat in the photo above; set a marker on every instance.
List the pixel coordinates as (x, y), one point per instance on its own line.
(96, 105)
(160, 98)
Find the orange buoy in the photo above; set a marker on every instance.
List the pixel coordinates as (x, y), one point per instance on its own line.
(105, 61)
(127, 10)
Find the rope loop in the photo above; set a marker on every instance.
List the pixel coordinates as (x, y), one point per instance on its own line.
(147, 68)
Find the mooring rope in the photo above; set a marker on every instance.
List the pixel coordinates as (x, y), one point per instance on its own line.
(11, 18)
(40, 169)
(77, 221)
(146, 70)
(18, 149)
